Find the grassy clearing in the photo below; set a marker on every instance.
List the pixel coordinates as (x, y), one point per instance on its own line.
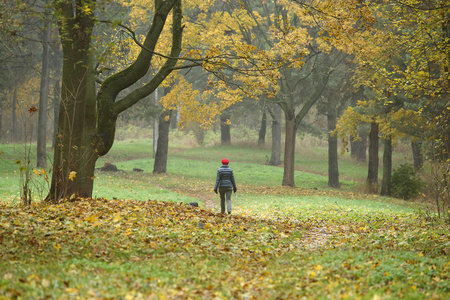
(280, 242)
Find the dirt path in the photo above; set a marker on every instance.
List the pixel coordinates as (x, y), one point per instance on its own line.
(315, 238)
(208, 199)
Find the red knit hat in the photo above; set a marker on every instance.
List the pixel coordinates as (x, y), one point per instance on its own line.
(225, 161)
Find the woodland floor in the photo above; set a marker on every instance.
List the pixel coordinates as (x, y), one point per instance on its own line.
(279, 243)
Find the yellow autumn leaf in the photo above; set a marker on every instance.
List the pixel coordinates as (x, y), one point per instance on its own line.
(91, 218)
(37, 172)
(87, 10)
(318, 267)
(57, 247)
(71, 290)
(312, 273)
(72, 175)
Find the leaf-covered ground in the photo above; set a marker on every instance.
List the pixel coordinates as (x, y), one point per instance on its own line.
(124, 249)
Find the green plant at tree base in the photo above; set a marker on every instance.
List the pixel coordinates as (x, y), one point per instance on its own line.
(405, 182)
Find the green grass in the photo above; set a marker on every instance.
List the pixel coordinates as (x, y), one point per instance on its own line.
(310, 242)
(323, 207)
(134, 186)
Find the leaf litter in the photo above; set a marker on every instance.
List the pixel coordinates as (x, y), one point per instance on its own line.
(186, 252)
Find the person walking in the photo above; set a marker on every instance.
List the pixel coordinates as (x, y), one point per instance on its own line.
(225, 184)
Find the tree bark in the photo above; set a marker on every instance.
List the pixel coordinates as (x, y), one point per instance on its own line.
(225, 134)
(174, 119)
(262, 129)
(1, 122)
(155, 125)
(86, 126)
(289, 153)
(387, 167)
(275, 156)
(293, 120)
(333, 167)
(372, 176)
(160, 165)
(14, 136)
(417, 155)
(56, 105)
(359, 147)
(43, 98)
(1, 119)
(68, 174)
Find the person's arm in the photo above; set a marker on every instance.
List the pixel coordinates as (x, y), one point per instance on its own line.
(217, 181)
(233, 182)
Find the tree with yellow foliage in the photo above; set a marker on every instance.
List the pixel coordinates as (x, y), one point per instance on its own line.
(407, 61)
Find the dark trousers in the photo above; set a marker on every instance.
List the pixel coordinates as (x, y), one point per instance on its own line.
(225, 193)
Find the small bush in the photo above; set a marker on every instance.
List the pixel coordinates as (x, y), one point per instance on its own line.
(405, 183)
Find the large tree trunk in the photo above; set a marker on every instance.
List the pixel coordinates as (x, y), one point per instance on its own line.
(372, 176)
(262, 129)
(225, 134)
(69, 167)
(56, 105)
(160, 165)
(417, 155)
(87, 123)
(333, 168)
(387, 168)
(289, 153)
(43, 99)
(275, 156)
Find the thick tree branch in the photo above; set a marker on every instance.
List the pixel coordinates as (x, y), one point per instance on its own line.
(165, 70)
(117, 82)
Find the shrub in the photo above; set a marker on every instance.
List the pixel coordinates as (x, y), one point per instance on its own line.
(405, 183)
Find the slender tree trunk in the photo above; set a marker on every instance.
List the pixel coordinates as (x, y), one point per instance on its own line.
(417, 155)
(359, 147)
(294, 119)
(14, 136)
(372, 176)
(333, 167)
(225, 134)
(1, 121)
(289, 153)
(262, 129)
(387, 168)
(174, 119)
(160, 165)
(155, 125)
(43, 99)
(275, 157)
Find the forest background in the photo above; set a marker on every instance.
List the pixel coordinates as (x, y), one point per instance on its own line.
(342, 75)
